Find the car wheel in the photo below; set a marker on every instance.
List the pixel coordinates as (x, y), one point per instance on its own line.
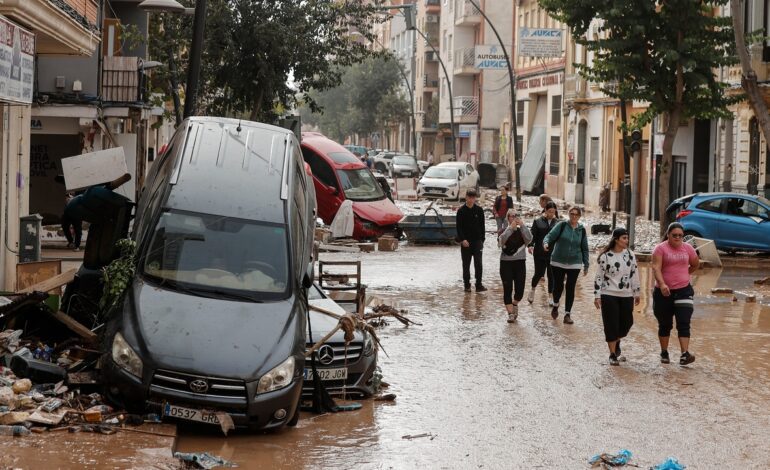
(294, 419)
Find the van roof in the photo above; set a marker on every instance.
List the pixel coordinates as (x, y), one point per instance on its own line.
(225, 172)
(334, 153)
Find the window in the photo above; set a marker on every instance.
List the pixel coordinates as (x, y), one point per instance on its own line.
(746, 208)
(520, 113)
(321, 170)
(360, 185)
(216, 256)
(554, 154)
(556, 110)
(713, 205)
(469, 169)
(520, 147)
(594, 159)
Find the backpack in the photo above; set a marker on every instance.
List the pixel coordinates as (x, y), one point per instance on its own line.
(514, 243)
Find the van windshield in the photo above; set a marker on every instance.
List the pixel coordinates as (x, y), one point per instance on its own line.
(221, 256)
(360, 185)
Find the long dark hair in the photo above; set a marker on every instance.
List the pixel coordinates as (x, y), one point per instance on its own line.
(619, 232)
(551, 205)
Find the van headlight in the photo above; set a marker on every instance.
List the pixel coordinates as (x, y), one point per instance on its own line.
(125, 357)
(278, 378)
(368, 345)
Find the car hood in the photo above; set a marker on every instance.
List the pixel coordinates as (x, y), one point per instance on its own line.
(321, 324)
(212, 337)
(440, 182)
(382, 212)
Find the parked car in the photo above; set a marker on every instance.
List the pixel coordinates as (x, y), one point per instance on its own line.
(338, 175)
(450, 180)
(215, 317)
(344, 370)
(383, 160)
(358, 150)
(404, 166)
(423, 166)
(734, 221)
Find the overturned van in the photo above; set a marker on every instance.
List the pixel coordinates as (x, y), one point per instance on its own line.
(215, 320)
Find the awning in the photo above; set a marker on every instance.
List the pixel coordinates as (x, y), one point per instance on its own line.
(533, 165)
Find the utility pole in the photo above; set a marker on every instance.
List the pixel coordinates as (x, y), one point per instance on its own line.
(512, 84)
(196, 50)
(636, 149)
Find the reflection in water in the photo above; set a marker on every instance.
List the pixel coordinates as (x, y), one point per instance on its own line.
(537, 393)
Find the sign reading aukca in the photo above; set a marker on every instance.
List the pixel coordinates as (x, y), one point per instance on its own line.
(17, 63)
(540, 42)
(490, 57)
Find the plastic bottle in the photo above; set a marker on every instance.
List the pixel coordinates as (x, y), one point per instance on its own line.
(15, 431)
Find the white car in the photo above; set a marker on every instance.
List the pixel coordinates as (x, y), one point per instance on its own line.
(448, 180)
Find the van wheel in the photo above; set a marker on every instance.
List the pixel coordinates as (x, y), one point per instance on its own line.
(294, 419)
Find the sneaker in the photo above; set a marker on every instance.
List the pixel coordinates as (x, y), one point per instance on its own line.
(555, 312)
(76, 249)
(531, 296)
(468, 288)
(664, 359)
(568, 319)
(619, 354)
(550, 300)
(480, 288)
(513, 315)
(614, 360)
(686, 358)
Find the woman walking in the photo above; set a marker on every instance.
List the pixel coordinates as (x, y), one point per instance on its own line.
(616, 291)
(540, 228)
(568, 245)
(672, 263)
(513, 265)
(503, 202)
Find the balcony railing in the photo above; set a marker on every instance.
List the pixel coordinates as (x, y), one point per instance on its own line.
(464, 61)
(466, 13)
(430, 80)
(85, 12)
(574, 87)
(121, 79)
(466, 106)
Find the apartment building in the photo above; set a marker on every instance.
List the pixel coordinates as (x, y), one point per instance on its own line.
(402, 44)
(428, 75)
(480, 95)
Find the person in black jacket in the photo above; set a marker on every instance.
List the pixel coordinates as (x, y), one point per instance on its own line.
(471, 234)
(540, 228)
(503, 203)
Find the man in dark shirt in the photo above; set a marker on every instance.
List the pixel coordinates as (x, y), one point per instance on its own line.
(471, 234)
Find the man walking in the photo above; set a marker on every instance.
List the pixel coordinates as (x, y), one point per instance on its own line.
(471, 234)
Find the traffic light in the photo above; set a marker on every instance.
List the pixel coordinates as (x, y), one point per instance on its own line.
(636, 140)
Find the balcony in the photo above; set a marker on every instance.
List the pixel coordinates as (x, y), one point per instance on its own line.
(121, 80)
(464, 60)
(759, 62)
(466, 14)
(426, 124)
(60, 26)
(431, 56)
(432, 6)
(574, 87)
(466, 109)
(430, 82)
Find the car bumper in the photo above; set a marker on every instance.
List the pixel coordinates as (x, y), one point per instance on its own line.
(255, 412)
(358, 383)
(448, 193)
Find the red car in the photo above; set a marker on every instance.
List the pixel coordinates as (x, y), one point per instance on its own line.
(339, 175)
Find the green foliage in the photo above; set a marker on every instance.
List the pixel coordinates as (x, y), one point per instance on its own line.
(262, 56)
(368, 98)
(642, 44)
(118, 275)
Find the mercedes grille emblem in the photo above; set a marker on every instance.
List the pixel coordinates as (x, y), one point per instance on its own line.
(326, 355)
(199, 386)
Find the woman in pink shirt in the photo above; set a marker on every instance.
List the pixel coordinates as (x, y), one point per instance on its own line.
(672, 263)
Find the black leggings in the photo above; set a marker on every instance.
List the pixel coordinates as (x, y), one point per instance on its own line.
(513, 273)
(558, 278)
(678, 305)
(543, 268)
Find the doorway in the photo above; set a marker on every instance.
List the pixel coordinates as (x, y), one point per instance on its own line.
(580, 174)
(753, 183)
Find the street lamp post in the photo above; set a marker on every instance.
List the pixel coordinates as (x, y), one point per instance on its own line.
(514, 131)
(196, 48)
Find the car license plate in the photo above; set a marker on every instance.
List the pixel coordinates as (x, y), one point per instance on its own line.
(328, 374)
(190, 414)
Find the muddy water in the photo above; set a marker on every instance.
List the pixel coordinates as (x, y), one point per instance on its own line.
(536, 394)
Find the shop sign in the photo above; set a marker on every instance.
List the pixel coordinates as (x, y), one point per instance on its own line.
(17, 63)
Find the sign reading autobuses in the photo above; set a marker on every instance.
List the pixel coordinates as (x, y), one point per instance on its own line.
(17, 63)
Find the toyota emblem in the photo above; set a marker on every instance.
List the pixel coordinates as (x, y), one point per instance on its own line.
(199, 386)
(326, 355)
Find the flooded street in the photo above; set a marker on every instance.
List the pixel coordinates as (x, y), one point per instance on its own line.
(538, 393)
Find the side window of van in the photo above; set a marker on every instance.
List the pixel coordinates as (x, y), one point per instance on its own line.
(321, 170)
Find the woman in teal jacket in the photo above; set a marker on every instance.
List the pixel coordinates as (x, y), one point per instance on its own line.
(568, 244)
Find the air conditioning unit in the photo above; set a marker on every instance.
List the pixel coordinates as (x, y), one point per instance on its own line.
(431, 18)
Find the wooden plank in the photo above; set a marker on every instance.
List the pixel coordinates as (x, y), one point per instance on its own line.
(52, 283)
(75, 327)
(28, 274)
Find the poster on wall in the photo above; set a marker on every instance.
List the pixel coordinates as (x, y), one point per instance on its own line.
(17, 62)
(540, 42)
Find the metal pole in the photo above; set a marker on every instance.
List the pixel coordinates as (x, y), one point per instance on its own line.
(514, 131)
(449, 88)
(634, 196)
(626, 159)
(196, 50)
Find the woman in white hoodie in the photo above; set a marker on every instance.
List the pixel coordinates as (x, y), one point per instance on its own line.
(616, 291)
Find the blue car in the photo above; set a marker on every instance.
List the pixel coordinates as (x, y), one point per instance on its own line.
(734, 221)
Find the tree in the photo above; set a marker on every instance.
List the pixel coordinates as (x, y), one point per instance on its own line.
(660, 52)
(264, 55)
(748, 75)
